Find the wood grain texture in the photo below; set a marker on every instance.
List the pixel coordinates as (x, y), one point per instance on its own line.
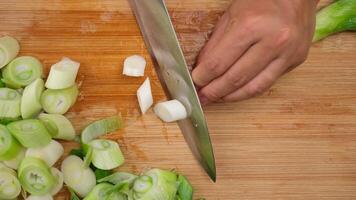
(297, 141)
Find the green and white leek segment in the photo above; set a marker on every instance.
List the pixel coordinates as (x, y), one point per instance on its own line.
(106, 154)
(9, 146)
(58, 126)
(62, 74)
(9, 48)
(49, 153)
(10, 101)
(59, 101)
(30, 101)
(10, 186)
(22, 71)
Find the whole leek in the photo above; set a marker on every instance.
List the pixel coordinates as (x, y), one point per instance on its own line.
(59, 101)
(22, 71)
(58, 126)
(35, 176)
(337, 17)
(30, 133)
(10, 101)
(10, 186)
(9, 48)
(9, 146)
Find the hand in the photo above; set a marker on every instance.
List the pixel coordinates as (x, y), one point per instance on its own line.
(254, 43)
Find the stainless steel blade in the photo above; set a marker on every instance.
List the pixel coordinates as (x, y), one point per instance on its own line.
(161, 40)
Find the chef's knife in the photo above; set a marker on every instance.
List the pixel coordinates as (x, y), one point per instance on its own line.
(161, 40)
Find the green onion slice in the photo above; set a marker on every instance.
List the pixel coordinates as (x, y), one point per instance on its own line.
(119, 177)
(35, 176)
(10, 186)
(9, 146)
(62, 74)
(9, 48)
(100, 191)
(79, 178)
(106, 154)
(10, 101)
(42, 197)
(101, 127)
(59, 101)
(49, 153)
(22, 71)
(58, 126)
(15, 162)
(30, 133)
(30, 101)
(58, 175)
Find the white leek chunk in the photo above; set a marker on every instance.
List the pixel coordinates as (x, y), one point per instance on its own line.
(170, 111)
(78, 177)
(49, 153)
(62, 74)
(9, 48)
(30, 101)
(43, 197)
(134, 66)
(144, 96)
(58, 175)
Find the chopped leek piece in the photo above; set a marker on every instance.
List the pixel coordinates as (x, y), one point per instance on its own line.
(119, 177)
(156, 184)
(100, 191)
(100, 127)
(144, 96)
(22, 71)
(35, 176)
(30, 101)
(77, 177)
(185, 189)
(30, 133)
(49, 153)
(62, 74)
(58, 126)
(10, 101)
(117, 196)
(15, 162)
(9, 146)
(170, 111)
(100, 173)
(58, 175)
(134, 66)
(59, 101)
(43, 197)
(10, 186)
(9, 48)
(106, 154)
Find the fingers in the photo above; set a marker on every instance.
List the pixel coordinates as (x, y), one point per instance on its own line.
(260, 83)
(221, 54)
(255, 60)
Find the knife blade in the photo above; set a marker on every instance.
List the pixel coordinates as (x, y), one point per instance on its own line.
(169, 62)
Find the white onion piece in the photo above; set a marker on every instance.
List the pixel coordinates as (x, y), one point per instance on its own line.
(15, 162)
(44, 197)
(59, 181)
(170, 111)
(62, 74)
(144, 96)
(134, 66)
(49, 153)
(81, 179)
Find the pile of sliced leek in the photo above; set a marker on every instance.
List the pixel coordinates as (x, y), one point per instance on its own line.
(32, 124)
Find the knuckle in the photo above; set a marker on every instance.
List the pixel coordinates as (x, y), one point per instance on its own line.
(235, 81)
(255, 89)
(284, 36)
(212, 65)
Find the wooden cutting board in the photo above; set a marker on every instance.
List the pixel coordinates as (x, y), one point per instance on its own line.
(297, 141)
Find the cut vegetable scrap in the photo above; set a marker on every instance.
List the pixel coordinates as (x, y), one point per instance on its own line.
(30, 101)
(10, 101)
(62, 74)
(170, 111)
(134, 66)
(58, 126)
(144, 96)
(9, 48)
(49, 153)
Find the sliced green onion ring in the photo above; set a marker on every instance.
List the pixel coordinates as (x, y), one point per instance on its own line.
(15, 162)
(30, 101)
(58, 175)
(119, 177)
(9, 146)
(106, 154)
(79, 178)
(58, 126)
(101, 127)
(22, 71)
(43, 197)
(10, 101)
(49, 153)
(62, 74)
(10, 186)
(30, 133)
(9, 48)
(100, 191)
(35, 176)
(59, 101)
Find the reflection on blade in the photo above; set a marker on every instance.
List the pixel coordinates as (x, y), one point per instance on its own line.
(171, 68)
